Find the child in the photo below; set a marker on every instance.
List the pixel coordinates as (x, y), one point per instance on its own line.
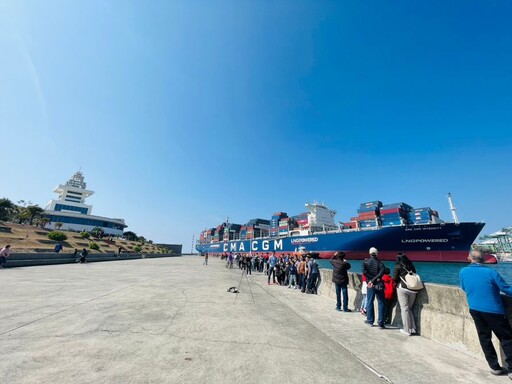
(292, 280)
(364, 291)
(389, 295)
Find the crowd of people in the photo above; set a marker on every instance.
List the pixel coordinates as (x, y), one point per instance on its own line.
(294, 271)
(481, 285)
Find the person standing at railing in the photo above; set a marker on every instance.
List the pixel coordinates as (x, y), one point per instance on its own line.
(482, 286)
(340, 279)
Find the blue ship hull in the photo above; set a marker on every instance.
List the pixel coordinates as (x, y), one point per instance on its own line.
(444, 242)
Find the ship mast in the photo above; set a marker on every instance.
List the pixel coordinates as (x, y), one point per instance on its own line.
(452, 208)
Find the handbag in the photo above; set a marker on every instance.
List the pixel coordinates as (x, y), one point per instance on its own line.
(412, 280)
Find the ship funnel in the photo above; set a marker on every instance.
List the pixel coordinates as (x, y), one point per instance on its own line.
(452, 208)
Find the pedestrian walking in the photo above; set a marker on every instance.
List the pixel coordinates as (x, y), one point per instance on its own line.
(205, 262)
(83, 256)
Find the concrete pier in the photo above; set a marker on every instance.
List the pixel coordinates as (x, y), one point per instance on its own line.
(171, 320)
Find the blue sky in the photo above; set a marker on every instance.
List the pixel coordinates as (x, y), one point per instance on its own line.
(181, 113)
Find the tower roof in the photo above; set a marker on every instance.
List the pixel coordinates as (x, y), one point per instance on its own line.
(77, 181)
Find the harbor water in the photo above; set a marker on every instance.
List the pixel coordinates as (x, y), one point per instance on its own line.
(439, 273)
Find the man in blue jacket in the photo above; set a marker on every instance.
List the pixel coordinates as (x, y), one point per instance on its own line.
(482, 286)
(272, 261)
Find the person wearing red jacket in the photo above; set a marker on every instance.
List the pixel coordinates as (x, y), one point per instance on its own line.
(389, 295)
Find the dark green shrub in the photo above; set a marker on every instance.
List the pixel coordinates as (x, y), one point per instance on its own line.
(85, 235)
(57, 236)
(137, 248)
(94, 246)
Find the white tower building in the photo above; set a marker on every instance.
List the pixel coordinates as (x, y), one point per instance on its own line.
(70, 209)
(72, 196)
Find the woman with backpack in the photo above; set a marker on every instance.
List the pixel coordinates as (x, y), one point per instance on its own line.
(406, 296)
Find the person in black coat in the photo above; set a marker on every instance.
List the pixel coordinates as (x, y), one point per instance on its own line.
(340, 279)
(373, 269)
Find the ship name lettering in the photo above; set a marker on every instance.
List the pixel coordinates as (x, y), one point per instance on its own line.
(305, 240)
(254, 245)
(264, 245)
(232, 247)
(242, 247)
(425, 240)
(225, 247)
(278, 244)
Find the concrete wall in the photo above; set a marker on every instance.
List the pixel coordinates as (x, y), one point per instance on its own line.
(33, 259)
(441, 312)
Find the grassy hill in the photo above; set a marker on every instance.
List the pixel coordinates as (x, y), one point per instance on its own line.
(27, 239)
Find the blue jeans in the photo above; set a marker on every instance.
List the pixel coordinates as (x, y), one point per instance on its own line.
(370, 312)
(339, 289)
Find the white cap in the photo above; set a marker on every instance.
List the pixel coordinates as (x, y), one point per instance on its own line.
(374, 251)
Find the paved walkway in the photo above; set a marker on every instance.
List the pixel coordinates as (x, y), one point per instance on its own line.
(172, 321)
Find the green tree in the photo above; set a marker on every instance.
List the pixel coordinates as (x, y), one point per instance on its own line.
(94, 246)
(130, 236)
(85, 235)
(97, 232)
(7, 209)
(22, 215)
(43, 221)
(137, 248)
(141, 239)
(34, 211)
(57, 236)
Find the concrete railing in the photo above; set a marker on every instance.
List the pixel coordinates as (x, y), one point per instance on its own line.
(33, 259)
(441, 312)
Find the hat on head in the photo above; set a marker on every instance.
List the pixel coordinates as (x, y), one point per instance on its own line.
(374, 251)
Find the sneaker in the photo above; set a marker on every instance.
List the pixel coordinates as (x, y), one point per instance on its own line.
(404, 332)
(368, 323)
(289, 286)
(347, 310)
(338, 309)
(382, 326)
(497, 372)
(269, 283)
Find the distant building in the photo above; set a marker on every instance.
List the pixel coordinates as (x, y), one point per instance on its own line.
(70, 209)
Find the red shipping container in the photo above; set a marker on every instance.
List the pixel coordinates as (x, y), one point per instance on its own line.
(390, 210)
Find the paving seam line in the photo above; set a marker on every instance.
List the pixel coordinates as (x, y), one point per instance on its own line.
(363, 363)
(79, 304)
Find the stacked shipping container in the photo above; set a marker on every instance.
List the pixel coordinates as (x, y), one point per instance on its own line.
(394, 214)
(423, 216)
(275, 222)
(369, 214)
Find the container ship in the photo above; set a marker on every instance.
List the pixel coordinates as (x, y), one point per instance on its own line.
(391, 228)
